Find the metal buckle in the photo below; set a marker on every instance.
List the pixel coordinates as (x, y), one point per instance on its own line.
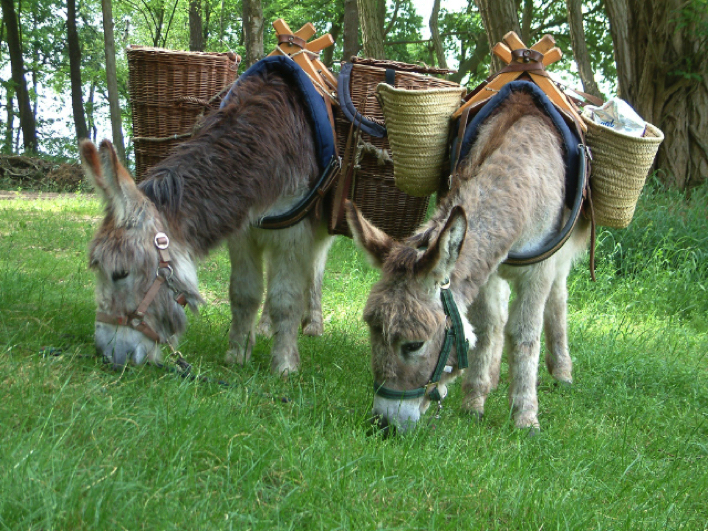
(445, 284)
(162, 242)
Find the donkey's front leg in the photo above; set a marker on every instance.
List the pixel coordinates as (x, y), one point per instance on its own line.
(523, 334)
(488, 315)
(245, 292)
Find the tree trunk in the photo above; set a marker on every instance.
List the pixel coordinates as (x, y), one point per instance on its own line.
(112, 79)
(14, 44)
(196, 32)
(77, 100)
(9, 128)
(580, 49)
(335, 30)
(253, 31)
(662, 71)
(435, 35)
(499, 18)
(372, 27)
(351, 29)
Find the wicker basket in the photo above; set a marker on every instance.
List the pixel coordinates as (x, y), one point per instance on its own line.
(373, 187)
(418, 127)
(169, 92)
(620, 164)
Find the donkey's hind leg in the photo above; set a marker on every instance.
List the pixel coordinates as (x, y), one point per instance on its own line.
(245, 292)
(555, 326)
(488, 315)
(312, 324)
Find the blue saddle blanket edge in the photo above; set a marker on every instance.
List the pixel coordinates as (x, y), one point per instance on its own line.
(569, 138)
(314, 104)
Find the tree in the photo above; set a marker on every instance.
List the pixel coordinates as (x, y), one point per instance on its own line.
(371, 20)
(580, 50)
(14, 43)
(196, 31)
(662, 72)
(435, 35)
(253, 31)
(499, 18)
(112, 79)
(77, 100)
(351, 29)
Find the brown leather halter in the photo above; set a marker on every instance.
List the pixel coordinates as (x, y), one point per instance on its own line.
(164, 273)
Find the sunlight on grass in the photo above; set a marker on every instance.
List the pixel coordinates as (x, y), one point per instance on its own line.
(84, 447)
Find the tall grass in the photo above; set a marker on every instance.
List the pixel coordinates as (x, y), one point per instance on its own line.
(82, 447)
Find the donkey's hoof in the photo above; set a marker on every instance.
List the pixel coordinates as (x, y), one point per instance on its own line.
(565, 384)
(475, 416)
(236, 356)
(285, 362)
(314, 329)
(264, 328)
(528, 421)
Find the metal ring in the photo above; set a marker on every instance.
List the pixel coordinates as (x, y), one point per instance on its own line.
(167, 277)
(162, 246)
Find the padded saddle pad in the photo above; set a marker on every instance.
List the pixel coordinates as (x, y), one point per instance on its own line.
(313, 102)
(569, 138)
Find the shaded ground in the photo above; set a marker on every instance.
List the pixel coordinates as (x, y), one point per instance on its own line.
(19, 172)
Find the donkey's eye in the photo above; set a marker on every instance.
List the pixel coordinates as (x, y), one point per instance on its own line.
(410, 348)
(119, 275)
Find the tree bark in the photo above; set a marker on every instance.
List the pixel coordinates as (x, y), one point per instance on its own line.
(112, 79)
(662, 71)
(351, 29)
(196, 31)
(335, 30)
(253, 31)
(580, 49)
(17, 67)
(372, 27)
(9, 127)
(77, 100)
(499, 18)
(435, 35)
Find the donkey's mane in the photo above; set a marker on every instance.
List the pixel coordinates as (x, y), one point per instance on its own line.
(244, 157)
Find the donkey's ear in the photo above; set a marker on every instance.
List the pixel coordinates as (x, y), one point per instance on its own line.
(376, 243)
(440, 258)
(92, 168)
(115, 174)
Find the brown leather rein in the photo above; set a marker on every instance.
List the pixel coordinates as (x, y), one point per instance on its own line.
(164, 274)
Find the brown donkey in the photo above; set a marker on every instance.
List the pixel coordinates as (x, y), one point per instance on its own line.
(252, 158)
(509, 198)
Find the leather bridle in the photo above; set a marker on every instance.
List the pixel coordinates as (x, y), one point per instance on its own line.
(163, 275)
(454, 334)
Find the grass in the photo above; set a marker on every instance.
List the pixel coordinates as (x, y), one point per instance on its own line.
(82, 447)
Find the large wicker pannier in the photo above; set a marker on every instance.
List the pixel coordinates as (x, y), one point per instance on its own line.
(372, 186)
(169, 92)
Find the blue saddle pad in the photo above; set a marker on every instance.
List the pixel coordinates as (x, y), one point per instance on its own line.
(313, 102)
(569, 138)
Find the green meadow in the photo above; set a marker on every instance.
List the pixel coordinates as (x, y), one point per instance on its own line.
(86, 447)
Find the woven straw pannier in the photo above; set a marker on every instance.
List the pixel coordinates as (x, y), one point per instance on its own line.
(170, 91)
(620, 164)
(418, 126)
(373, 187)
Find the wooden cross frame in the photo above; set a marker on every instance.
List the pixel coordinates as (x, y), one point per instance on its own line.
(306, 54)
(549, 54)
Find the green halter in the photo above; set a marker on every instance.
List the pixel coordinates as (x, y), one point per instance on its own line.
(453, 335)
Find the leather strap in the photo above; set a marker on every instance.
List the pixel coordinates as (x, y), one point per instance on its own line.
(313, 199)
(293, 40)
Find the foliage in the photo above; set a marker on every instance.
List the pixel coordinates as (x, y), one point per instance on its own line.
(165, 23)
(87, 448)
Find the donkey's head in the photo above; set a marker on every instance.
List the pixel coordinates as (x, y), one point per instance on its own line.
(143, 280)
(409, 323)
